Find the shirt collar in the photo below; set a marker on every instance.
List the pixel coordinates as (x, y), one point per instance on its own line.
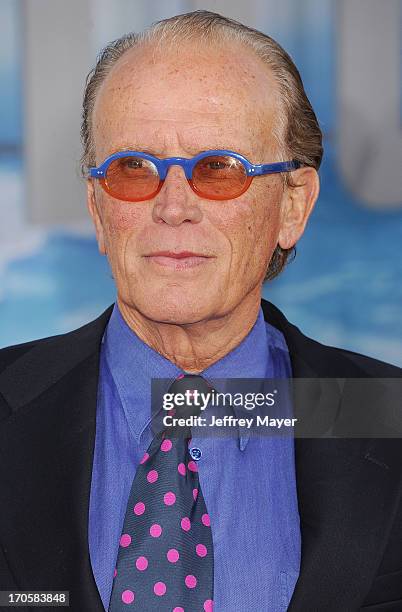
(133, 364)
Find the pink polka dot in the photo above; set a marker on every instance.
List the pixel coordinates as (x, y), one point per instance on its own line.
(115, 573)
(172, 555)
(169, 498)
(192, 466)
(181, 469)
(191, 581)
(166, 445)
(178, 609)
(201, 550)
(127, 596)
(155, 530)
(139, 508)
(145, 457)
(125, 540)
(205, 520)
(208, 605)
(185, 523)
(141, 563)
(152, 476)
(159, 588)
(195, 493)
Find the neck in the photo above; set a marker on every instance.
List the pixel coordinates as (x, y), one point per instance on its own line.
(193, 347)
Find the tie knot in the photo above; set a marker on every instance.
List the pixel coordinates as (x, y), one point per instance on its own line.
(190, 392)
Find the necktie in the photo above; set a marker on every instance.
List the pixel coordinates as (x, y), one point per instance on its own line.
(165, 555)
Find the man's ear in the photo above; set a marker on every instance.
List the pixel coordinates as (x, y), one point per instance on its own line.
(96, 218)
(297, 205)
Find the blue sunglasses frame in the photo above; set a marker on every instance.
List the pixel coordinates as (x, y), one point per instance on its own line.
(188, 164)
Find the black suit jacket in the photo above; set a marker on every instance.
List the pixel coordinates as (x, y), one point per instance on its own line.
(349, 490)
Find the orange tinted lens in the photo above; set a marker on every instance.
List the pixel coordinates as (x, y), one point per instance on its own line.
(219, 176)
(132, 178)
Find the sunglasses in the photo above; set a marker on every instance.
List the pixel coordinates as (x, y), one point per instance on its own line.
(219, 174)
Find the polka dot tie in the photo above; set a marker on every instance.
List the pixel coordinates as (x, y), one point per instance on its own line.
(165, 556)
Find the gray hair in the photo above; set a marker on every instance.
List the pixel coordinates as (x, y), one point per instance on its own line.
(297, 131)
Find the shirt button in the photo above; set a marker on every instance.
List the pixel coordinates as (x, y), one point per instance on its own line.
(195, 453)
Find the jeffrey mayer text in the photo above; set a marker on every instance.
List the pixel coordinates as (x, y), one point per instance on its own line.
(227, 421)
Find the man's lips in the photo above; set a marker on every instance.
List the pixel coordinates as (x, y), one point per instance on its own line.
(182, 260)
(180, 255)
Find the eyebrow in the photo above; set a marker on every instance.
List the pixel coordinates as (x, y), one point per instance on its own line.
(149, 150)
(193, 153)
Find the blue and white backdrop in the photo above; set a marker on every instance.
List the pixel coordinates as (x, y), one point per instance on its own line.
(344, 287)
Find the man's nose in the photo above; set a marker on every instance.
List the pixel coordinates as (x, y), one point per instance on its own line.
(176, 202)
(176, 181)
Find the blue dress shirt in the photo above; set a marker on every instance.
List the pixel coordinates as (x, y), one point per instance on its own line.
(248, 482)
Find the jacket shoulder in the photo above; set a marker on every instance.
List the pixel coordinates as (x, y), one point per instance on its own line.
(12, 353)
(374, 367)
(370, 365)
(326, 360)
(29, 368)
(89, 332)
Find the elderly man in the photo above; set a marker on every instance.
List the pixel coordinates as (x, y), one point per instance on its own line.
(201, 151)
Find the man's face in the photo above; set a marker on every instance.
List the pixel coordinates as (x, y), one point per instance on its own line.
(180, 103)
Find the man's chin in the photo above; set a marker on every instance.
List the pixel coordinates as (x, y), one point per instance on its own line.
(175, 312)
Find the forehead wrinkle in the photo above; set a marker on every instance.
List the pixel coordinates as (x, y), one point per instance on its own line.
(191, 139)
(191, 123)
(183, 135)
(191, 142)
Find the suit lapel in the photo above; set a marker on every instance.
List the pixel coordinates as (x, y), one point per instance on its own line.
(348, 490)
(47, 447)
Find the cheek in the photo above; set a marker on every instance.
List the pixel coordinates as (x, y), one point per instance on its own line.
(249, 225)
(121, 219)
(258, 220)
